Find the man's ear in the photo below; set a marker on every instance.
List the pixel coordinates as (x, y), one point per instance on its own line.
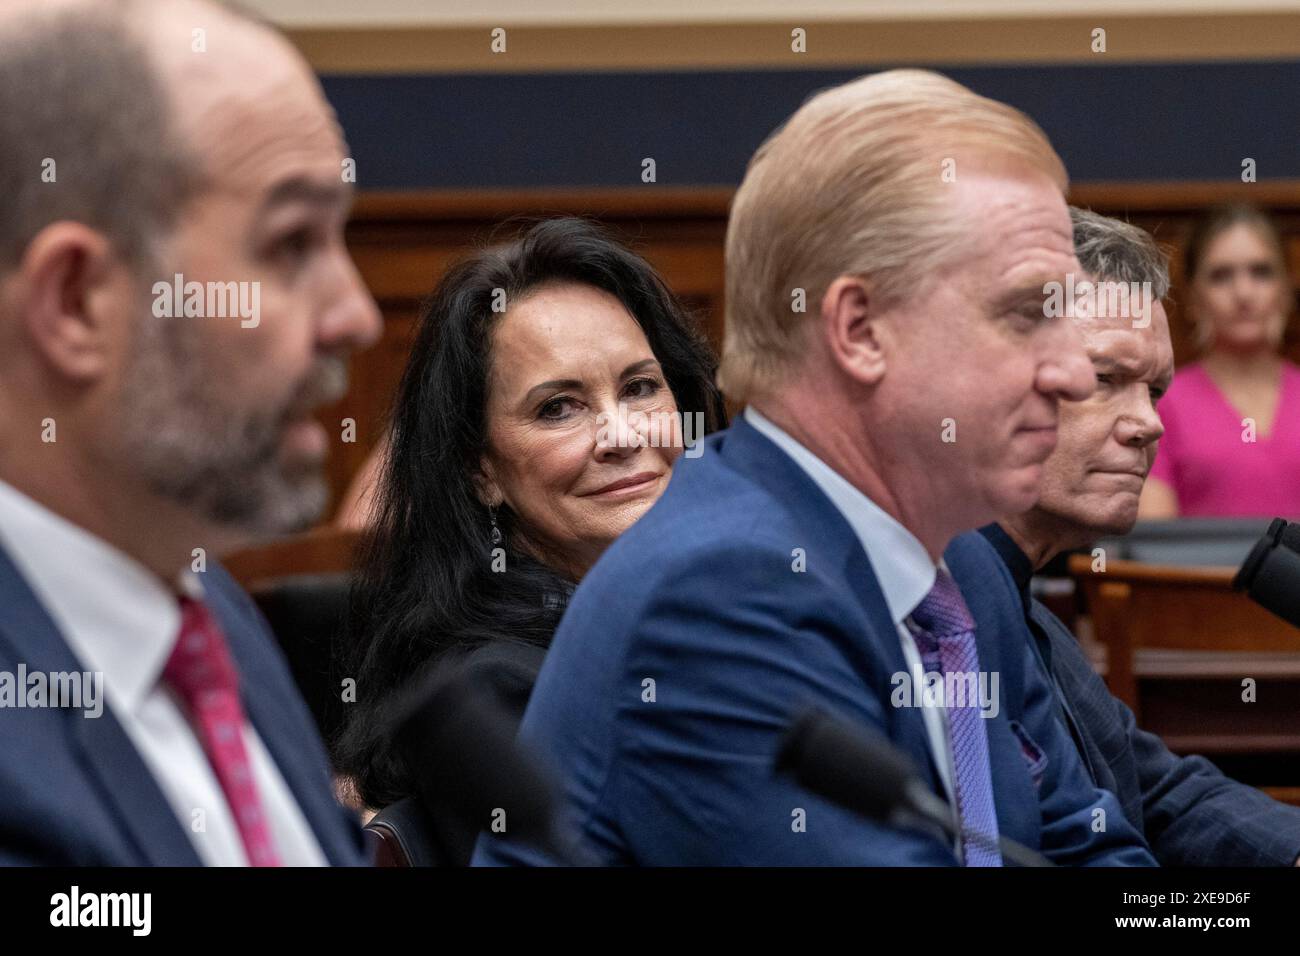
(853, 330)
(71, 286)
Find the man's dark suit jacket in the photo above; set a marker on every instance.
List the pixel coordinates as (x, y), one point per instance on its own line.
(1191, 814)
(693, 642)
(75, 792)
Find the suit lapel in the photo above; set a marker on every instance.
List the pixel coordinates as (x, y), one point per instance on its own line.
(907, 727)
(310, 791)
(1001, 635)
(109, 756)
(1053, 627)
(276, 724)
(767, 465)
(128, 783)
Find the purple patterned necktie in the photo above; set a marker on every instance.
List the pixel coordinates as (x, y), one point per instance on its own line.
(947, 644)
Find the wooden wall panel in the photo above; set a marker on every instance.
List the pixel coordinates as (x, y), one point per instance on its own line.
(402, 243)
(1167, 211)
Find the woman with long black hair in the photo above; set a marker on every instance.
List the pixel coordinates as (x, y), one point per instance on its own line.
(528, 433)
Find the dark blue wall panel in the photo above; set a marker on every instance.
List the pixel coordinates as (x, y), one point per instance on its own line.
(1125, 122)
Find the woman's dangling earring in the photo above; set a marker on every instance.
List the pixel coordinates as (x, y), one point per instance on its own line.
(496, 532)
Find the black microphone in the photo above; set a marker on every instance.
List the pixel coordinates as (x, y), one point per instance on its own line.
(1288, 534)
(1270, 575)
(458, 739)
(860, 771)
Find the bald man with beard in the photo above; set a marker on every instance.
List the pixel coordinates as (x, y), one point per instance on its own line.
(142, 145)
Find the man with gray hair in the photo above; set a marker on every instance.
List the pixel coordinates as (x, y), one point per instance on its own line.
(1190, 812)
(175, 302)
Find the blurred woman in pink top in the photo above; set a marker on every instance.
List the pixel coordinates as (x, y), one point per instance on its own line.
(1232, 420)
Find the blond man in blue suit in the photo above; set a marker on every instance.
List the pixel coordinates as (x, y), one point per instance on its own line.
(886, 262)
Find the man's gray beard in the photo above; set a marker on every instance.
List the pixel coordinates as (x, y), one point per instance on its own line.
(187, 445)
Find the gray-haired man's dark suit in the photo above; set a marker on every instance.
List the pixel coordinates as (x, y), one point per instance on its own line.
(1190, 813)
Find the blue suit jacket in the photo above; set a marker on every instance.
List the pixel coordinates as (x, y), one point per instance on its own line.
(692, 643)
(74, 790)
(1191, 814)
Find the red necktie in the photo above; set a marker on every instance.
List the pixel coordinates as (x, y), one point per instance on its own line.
(201, 671)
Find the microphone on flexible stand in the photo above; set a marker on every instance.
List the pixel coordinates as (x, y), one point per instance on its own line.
(858, 770)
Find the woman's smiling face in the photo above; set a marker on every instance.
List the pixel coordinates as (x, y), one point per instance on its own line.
(582, 429)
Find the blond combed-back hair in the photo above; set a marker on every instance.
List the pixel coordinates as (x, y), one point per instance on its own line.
(853, 183)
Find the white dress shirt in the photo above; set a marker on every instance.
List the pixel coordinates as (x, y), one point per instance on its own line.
(121, 620)
(902, 565)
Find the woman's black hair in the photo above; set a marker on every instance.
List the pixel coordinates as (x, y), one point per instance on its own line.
(425, 588)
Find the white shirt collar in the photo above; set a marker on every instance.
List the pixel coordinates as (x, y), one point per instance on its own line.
(115, 614)
(902, 565)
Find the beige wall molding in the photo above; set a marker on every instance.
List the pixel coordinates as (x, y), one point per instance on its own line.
(734, 45)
